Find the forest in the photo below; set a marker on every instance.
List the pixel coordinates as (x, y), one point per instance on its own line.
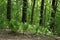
(30, 17)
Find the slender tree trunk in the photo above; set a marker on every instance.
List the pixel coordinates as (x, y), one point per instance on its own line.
(24, 11)
(41, 13)
(54, 6)
(32, 12)
(9, 15)
(9, 10)
(44, 16)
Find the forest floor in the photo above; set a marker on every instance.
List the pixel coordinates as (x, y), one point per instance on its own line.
(5, 36)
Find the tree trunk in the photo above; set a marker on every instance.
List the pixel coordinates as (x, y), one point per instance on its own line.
(9, 10)
(54, 7)
(41, 13)
(44, 17)
(32, 12)
(24, 11)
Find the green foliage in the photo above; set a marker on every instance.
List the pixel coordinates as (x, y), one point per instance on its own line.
(14, 26)
(16, 15)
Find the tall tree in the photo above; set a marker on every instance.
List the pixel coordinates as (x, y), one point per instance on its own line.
(24, 11)
(54, 7)
(44, 16)
(9, 15)
(41, 13)
(32, 12)
(9, 10)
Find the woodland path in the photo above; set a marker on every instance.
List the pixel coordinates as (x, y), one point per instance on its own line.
(5, 36)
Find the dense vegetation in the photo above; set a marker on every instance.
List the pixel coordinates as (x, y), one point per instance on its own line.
(34, 16)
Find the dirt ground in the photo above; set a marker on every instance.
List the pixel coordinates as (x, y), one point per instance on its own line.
(5, 36)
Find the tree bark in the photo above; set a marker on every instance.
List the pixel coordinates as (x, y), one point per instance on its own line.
(9, 10)
(32, 12)
(41, 13)
(24, 11)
